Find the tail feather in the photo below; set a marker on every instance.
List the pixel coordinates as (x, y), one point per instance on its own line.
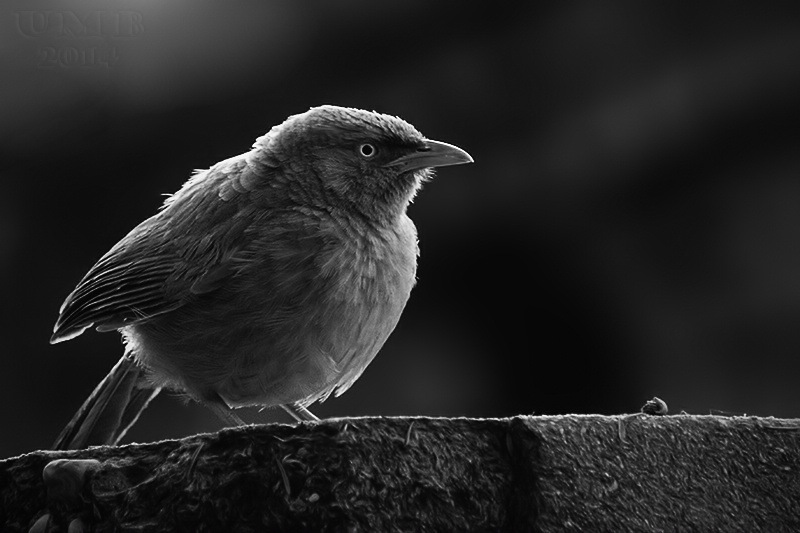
(111, 409)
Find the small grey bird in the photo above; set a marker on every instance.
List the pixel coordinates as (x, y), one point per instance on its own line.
(272, 278)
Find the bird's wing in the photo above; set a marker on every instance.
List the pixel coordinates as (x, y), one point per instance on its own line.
(164, 261)
(120, 289)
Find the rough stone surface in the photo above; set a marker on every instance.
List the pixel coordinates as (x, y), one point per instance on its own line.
(559, 473)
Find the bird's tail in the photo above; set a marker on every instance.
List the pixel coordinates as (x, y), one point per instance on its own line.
(111, 409)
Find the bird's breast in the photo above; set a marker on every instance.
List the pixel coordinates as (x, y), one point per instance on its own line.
(370, 276)
(372, 266)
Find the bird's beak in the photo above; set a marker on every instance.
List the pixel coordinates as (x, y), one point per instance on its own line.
(431, 154)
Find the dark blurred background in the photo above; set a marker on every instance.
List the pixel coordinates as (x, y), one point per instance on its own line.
(631, 226)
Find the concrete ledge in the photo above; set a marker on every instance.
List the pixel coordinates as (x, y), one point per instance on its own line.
(528, 473)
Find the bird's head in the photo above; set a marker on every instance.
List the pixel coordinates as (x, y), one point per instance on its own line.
(357, 159)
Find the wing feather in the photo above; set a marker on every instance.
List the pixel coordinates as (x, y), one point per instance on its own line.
(166, 260)
(113, 295)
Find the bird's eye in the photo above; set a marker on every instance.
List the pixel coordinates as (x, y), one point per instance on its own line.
(367, 150)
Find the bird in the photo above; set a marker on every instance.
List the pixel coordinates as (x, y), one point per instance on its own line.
(272, 278)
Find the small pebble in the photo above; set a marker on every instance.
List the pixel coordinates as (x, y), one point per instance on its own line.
(656, 407)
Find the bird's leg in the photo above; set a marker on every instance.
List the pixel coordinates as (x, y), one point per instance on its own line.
(221, 409)
(299, 413)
